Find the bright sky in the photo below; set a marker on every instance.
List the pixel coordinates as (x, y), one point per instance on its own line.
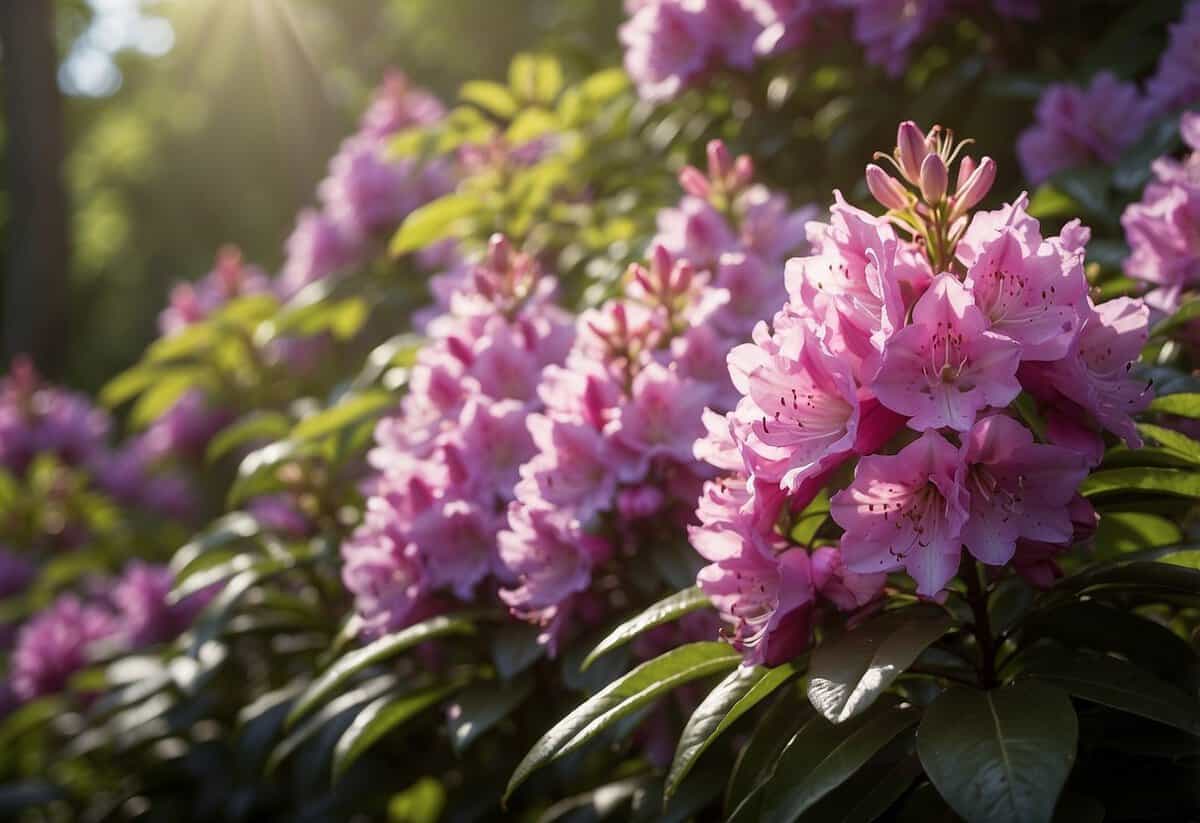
(89, 69)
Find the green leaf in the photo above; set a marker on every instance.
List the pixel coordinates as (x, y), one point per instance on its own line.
(867, 796)
(1182, 405)
(532, 124)
(1132, 575)
(422, 802)
(1049, 201)
(1178, 482)
(129, 384)
(535, 78)
(1002, 755)
(349, 411)
(491, 97)
(664, 611)
(515, 648)
(742, 690)
(481, 707)
(163, 394)
(848, 672)
(605, 85)
(622, 697)
(757, 760)
(822, 756)
(1127, 531)
(433, 222)
(1118, 685)
(340, 318)
(255, 474)
(256, 426)
(376, 652)
(364, 693)
(380, 717)
(811, 519)
(1173, 441)
(224, 531)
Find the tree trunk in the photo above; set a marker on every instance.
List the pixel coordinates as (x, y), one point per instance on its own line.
(35, 287)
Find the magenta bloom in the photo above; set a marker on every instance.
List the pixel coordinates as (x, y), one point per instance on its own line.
(280, 514)
(1094, 378)
(573, 467)
(945, 367)
(888, 29)
(1029, 290)
(666, 48)
(230, 278)
(316, 249)
(661, 419)
(1077, 126)
(1018, 489)
(364, 192)
(1176, 82)
(801, 406)
(143, 616)
(399, 105)
(383, 571)
(551, 559)
(55, 644)
(906, 510)
(764, 589)
(1164, 228)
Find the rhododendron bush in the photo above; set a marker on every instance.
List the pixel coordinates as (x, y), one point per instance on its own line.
(729, 436)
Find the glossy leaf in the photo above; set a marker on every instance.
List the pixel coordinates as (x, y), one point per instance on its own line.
(849, 671)
(822, 756)
(253, 428)
(622, 697)
(375, 652)
(379, 717)
(1150, 480)
(1001, 755)
(742, 690)
(664, 611)
(432, 222)
(1118, 685)
(364, 693)
(481, 707)
(348, 412)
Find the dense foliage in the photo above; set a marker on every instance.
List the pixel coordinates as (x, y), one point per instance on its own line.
(707, 479)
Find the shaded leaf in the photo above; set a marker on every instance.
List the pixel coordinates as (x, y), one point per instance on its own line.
(481, 707)
(1001, 755)
(254, 427)
(376, 652)
(621, 698)
(666, 610)
(379, 717)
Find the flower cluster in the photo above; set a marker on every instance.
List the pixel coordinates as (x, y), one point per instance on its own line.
(1076, 126)
(38, 419)
(614, 468)
(672, 44)
(1164, 228)
(447, 463)
(130, 612)
(902, 358)
(367, 193)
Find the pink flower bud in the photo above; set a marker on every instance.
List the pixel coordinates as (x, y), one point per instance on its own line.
(975, 188)
(720, 163)
(743, 171)
(934, 178)
(885, 188)
(498, 252)
(966, 167)
(694, 182)
(910, 150)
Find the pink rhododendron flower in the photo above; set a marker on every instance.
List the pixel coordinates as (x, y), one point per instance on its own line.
(230, 278)
(55, 644)
(889, 28)
(550, 557)
(1017, 488)
(1077, 126)
(946, 367)
(666, 48)
(143, 615)
(1176, 82)
(906, 511)
(1164, 228)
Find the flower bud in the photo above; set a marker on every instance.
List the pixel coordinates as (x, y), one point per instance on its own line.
(743, 171)
(885, 188)
(910, 150)
(934, 178)
(720, 163)
(966, 167)
(975, 188)
(499, 250)
(693, 181)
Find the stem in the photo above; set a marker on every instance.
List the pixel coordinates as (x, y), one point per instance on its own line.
(977, 597)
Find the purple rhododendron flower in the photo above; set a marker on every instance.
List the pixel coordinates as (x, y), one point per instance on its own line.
(1176, 81)
(55, 644)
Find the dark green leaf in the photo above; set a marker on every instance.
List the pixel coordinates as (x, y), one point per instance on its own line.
(380, 717)
(756, 761)
(481, 707)
(849, 671)
(742, 690)
(364, 693)
(622, 697)
(1118, 685)
(822, 756)
(375, 652)
(515, 648)
(1132, 575)
(867, 796)
(664, 611)
(1002, 755)
(231, 528)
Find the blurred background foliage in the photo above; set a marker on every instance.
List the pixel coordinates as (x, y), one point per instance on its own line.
(194, 123)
